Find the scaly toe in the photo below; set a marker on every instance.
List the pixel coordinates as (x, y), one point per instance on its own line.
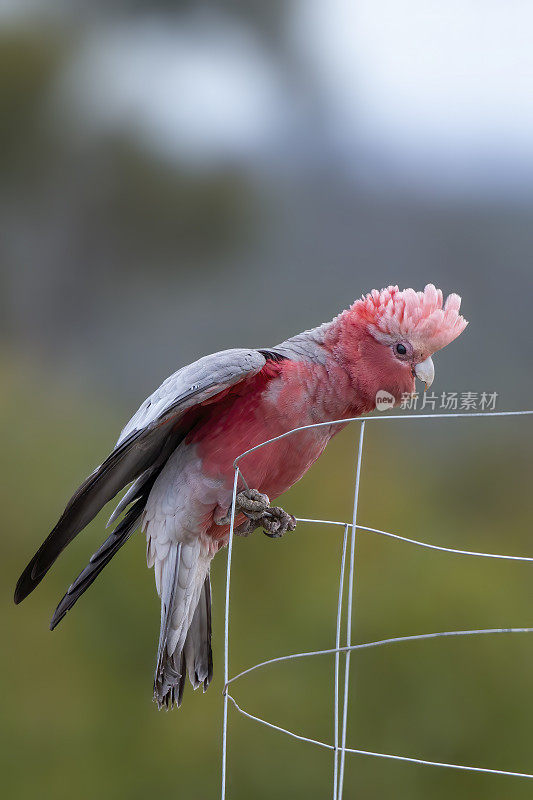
(276, 522)
(253, 502)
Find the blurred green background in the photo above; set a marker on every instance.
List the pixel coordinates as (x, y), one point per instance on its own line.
(180, 177)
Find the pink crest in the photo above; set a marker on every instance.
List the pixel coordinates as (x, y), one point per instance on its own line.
(419, 317)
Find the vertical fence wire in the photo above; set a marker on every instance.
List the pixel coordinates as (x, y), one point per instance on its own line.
(349, 612)
(226, 641)
(337, 667)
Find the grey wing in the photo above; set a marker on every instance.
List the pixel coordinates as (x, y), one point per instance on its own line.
(193, 384)
(143, 446)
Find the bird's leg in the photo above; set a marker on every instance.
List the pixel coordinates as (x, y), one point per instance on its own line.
(256, 507)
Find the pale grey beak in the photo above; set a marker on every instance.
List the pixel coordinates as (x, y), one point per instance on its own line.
(425, 371)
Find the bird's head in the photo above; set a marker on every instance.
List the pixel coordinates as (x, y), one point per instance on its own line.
(389, 337)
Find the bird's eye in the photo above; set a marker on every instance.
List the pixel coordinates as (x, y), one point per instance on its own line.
(401, 349)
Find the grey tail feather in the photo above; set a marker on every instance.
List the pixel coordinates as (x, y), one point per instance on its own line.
(99, 560)
(197, 649)
(196, 657)
(168, 669)
(108, 549)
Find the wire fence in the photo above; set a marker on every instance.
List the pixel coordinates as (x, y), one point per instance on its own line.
(340, 714)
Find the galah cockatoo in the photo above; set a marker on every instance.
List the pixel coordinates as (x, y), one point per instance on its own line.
(178, 451)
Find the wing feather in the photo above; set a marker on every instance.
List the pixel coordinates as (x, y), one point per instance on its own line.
(149, 438)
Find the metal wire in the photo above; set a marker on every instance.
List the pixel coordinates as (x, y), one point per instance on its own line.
(226, 640)
(338, 771)
(416, 637)
(421, 544)
(384, 417)
(337, 667)
(394, 757)
(349, 612)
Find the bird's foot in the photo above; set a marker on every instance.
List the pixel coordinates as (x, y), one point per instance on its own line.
(276, 522)
(253, 503)
(256, 507)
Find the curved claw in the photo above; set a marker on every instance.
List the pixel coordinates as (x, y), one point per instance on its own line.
(276, 522)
